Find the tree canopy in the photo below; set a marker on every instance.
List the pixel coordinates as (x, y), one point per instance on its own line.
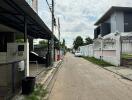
(43, 43)
(63, 43)
(88, 41)
(78, 42)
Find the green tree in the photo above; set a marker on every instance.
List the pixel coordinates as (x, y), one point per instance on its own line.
(43, 43)
(63, 46)
(78, 42)
(88, 41)
(63, 43)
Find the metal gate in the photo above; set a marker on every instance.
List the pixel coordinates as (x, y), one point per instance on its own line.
(126, 51)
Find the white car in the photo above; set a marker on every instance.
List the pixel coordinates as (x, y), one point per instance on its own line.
(77, 54)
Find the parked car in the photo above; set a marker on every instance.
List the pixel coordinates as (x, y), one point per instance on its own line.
(35, 57)
(77, 54)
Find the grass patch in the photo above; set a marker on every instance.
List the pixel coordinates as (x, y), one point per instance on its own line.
(98, 61)
(38, 94)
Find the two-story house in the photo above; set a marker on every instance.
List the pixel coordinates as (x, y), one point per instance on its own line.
(107, 45)
(116, 19)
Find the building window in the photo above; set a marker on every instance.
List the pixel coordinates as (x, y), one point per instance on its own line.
(127, 22)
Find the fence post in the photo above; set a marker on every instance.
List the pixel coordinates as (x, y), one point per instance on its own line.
(101, 49)
(118, 50)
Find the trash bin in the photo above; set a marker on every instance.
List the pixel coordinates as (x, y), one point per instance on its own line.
(28, 84)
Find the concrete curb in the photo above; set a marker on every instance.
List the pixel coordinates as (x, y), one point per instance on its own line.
(123, 76)
(45, 82)
(118, 74)
(50, 75)
(50, 78)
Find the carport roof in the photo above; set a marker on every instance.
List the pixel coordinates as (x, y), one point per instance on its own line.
(13, 13)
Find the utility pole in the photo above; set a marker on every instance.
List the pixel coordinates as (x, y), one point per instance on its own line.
(51, 8)
(59, 35)
(52, 36)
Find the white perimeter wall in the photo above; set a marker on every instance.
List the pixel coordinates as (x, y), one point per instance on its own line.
(87, 50)
(109, 52)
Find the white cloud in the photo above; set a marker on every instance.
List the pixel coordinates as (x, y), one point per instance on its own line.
(78, 16)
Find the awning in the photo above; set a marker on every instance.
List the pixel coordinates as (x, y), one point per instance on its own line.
(13, 13)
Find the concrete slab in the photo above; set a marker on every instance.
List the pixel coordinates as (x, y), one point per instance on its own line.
(79, 79)
(36, 69)
(123, 71)
(43, 78)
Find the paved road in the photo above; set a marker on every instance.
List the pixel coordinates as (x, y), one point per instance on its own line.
(79, 79)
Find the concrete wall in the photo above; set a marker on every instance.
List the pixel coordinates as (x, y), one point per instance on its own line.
(106, 55)
(83, 50)
(5, 75)
(98, 54)
(10, 77)
(86, 50)
(91, 51)
(110, 56)
(109, 51)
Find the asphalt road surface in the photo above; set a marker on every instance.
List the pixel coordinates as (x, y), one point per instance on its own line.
(79, 79)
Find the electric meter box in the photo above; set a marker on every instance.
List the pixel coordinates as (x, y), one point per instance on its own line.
(16, 52)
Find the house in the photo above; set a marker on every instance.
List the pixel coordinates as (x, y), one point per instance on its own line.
(18, 21)
(112, 36)
(116, 19)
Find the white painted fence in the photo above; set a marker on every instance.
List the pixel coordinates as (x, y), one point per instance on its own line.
(86, 50)
(108, 48)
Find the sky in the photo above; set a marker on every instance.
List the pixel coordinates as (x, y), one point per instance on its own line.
(77, 17)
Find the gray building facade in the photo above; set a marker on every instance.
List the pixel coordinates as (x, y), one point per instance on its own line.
(119, 20)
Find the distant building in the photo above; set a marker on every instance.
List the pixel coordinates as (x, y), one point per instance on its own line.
(113, 35)
(116, 19)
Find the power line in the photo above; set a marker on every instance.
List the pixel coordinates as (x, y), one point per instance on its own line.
(49, 6)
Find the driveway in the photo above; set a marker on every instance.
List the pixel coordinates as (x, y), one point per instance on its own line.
(79, 79)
